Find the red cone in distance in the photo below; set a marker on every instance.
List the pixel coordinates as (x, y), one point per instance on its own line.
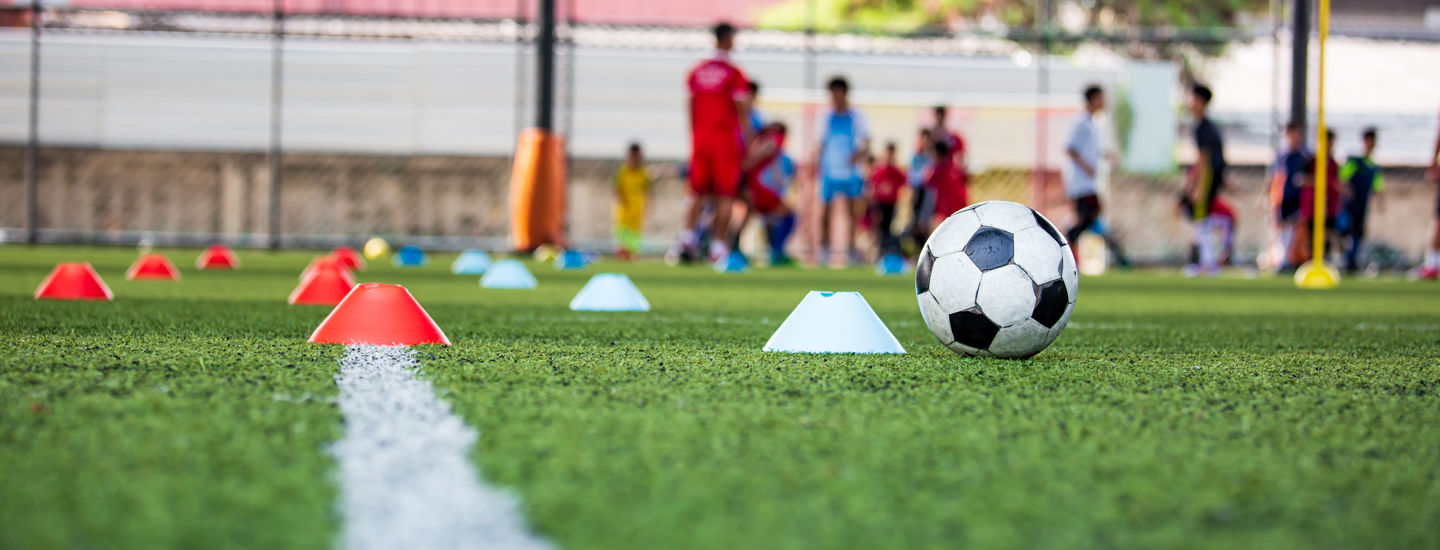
(379, 314)
(326, 262)
(73, 281)
(349, 258)
(325, 286)
(152, 267)
(217, 257)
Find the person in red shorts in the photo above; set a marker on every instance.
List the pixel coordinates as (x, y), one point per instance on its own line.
(883, 192)
(767, 172)
(719, 128)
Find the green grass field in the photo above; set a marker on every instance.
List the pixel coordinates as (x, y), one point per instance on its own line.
(1173, 413)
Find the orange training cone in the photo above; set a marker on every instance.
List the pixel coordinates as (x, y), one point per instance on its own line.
(349, 258)
(73, 281)
(326, 262)
(218, 256)
(152, 267)
(379, 314)
(326, 286)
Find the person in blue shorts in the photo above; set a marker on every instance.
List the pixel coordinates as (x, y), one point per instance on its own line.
(843, 143)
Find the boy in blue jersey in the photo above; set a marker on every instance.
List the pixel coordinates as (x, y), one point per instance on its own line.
(1363, 179)
(844, 141)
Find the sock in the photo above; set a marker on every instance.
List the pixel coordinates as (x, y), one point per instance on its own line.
(718, 249)
(780, 232)
(1432, 259)
(687, 237)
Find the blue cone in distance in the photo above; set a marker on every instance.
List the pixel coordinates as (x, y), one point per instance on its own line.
(609, 292)
(471, 262)
(734, 262)
(508, 273)
(409, 256)
(570, 259)
(833, 322)
(891, 264)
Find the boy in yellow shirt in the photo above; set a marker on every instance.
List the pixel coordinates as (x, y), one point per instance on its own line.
(632, 185)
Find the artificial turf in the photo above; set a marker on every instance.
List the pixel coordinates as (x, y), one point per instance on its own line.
(1172, 413)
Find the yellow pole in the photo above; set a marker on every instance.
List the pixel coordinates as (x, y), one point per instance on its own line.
(1322, 163)
(1316, 274)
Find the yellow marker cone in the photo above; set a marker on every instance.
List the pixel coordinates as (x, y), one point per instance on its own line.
(1312, 276)
(1316, 274)
(376, 248)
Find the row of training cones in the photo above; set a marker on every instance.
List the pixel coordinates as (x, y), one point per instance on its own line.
(374, 313)
(383, 314)
(79, 281)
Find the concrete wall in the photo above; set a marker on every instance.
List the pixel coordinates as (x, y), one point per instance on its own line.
(92, 194)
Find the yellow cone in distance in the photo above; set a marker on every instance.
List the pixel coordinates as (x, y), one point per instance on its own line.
(376, 248)
(1313, 276)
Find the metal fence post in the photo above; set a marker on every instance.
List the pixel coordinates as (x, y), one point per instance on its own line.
(522, 23)
(276, 88)
(32, 147)
(1042, 113)
(545, 79)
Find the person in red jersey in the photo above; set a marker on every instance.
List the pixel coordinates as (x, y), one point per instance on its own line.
(953, 140)
(886, 180)
(948, 184)
(719, 128)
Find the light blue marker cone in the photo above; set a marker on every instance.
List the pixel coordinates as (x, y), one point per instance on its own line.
(735, 262)
(609, 292)
(508, 274)
(409, 256)
(833, 322)
(471, 262)
(570, 259)
(890, 264)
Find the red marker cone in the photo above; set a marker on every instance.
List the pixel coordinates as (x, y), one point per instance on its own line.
(152, 267)
(379, 314)
(73, 281)
(217, 257)
(326, 262)
(327, 285)
(349, 258)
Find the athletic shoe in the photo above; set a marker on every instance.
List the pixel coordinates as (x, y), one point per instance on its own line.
(1430, 273)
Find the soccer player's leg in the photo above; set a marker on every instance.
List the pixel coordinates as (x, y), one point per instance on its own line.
(779, 221)
(1431, 268)
(726, 187)
(855, 193)
(827, 193)
(1087, 210)
(702, 172)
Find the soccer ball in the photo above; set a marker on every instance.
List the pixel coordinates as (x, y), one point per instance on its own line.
(996, 279)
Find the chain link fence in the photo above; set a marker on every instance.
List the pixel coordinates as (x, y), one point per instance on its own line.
(316, 122)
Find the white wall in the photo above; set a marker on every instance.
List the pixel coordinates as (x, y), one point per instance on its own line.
(187, 91)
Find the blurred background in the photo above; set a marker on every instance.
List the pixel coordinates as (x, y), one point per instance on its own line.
(319, 122)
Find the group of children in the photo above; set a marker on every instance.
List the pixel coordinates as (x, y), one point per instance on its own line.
(860, 193)
(739, 171)
(1350, 189)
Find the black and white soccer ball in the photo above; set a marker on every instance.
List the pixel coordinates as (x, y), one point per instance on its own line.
(996, 279)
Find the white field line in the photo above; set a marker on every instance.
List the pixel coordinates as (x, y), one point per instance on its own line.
(406, 480)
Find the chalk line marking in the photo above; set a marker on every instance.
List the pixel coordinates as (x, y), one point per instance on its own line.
(406, 480)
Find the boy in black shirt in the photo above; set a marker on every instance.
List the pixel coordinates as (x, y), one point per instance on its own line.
(1206, 180)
